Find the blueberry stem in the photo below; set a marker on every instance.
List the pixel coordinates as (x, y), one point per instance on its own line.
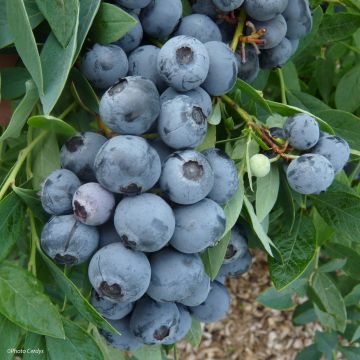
(23, 154)
(282, 86)
(239, 30)
(241, 112)
(34, 243)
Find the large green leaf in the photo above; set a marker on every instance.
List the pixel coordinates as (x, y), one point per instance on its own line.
(297, 248)
(35, 342)
(13, 82)
(9, 339)
(51, 123)
(24, 39)
(24, 303)
(149, 353)
(78, 345)
(61, 16)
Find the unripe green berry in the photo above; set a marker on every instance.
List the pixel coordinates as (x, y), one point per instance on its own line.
(260, 165)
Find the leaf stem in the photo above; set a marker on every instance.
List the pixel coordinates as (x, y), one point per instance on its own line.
(239, 30)
(282, 86)
(241, 112)
(23, 154)
(29, 158)
(70, 108)
(34, 243)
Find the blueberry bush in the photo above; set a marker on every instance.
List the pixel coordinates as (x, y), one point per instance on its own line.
(151, 146)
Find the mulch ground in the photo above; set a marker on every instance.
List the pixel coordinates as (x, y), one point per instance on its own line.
(251, 331)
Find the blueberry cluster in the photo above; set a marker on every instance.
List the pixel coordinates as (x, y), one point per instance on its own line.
(322, 155)
(196, 50)
(142, 213)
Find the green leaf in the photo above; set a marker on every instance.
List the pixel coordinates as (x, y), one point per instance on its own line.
(56, 63)
(329, 301)
(278, 300)
(267, 190)
(110, 24)
(309, 353)
(78, 345)
(51, 123)
(341, 211)
(195, 334)
(297, 248)
(35, 342)
(11, 223)
(148, 353)
(25, 304)
(22, 112)
(210, 139)
(351, 352)
(344, 124)
(75, 297)
(215, 116)
(326, 342)
(304, 314)
(10, 338)
(333, 265)
(61, 16)
(108, 351)
(353, 298)
(13, 82)
(24, 39)
(305, 101)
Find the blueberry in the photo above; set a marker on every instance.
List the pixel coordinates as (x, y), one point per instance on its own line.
(215, 307)
(227, 30)
(277, 56)
(154, 322)
(310, 174)
(126, 341)
(119, 274)
(92, 204)
(294, 45)
(302, 131)
(238, 267)
(237, 247)
(183, 328)
(260, 165)
(133, 4)
(160, 17)
(145, 222)
(198, 95)
(187, 177)
(264, 10)
(198, 226)
(174, 276)
(57, 191)
(132, 39)
(205, 7)
(161, 148)
(68, 241)
(78, 154)
(335, 149)
(108, 234)
(182, 123)
(199, 295)
(127, 165)
(227, 5)
(131, 106)
(183, 62)
(143, 62)
(226, 181)
(277, 133)
(200, 27)
(275, 31)
(108, 309)
(223, 69)
(249, 67)
(103, 65)
(298, 17)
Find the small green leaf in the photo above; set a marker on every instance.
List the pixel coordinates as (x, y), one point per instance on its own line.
(110, 24)
(10, 338)
(351, 352)
(215, 116)
(278, 300)
(353, 298)
(195, 334)
(309, 353)
(13, 82)
(304, 314)
(149, 353)
(326, 342)
(210, 139)
(51, 123)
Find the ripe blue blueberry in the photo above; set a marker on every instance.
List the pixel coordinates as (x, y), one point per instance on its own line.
(199, 96)
(174, 276)
(92, 204)
(154, 322)
(133, 4)
(183, 328)
(215, 307)
(103, 65)
(238, 267)
(145, 222)
(119, 274)
(183, 63)
(78, 154)
(264, 10)
(227, 5)
(223, 69)
(249, 67)
(126, 341)
(108, 309)
(226, 181)
(199, 295)
(161, 148)
(294, 45)
(298, 17)
(57, 191)
(143, 62)
(187, 177)
(108, 234)
(160, 18)
(182, 123)
(68, 241)
(127, 165)
(131, 106)
(310, 174)
(198, 226)
(277, 56)
(200, 27)
(205, 7)
(335, 149)
(302, 131)
(238, 246)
